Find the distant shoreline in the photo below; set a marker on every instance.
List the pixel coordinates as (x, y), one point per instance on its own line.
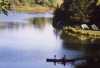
(35, 9)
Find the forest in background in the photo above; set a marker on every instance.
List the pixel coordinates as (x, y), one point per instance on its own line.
(30, 5)
(34, 3)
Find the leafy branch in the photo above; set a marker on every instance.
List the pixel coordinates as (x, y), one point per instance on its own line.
(81, 8)
(4, 6)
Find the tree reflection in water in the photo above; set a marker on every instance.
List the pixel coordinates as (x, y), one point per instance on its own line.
(40, 23)
(93, 52)
(89, 47)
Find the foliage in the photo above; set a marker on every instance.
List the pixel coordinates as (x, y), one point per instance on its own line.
(76, 12)
(47, 3)
(82, 8)
(55, 3)
(4, 6)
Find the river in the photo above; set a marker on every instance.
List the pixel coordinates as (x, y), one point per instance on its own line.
(27, 40)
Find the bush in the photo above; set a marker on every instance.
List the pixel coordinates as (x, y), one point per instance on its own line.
(4, 6)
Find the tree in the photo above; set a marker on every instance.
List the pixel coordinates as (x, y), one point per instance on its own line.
(55, 3)
(74, 12)
(4, 6)
(82, 9)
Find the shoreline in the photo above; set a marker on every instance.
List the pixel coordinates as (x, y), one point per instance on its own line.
(35, 9)
(84, 34)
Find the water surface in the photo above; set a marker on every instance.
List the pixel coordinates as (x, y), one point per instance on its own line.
(28, 42)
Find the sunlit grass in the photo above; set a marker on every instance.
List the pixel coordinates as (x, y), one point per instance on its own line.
(32, 9)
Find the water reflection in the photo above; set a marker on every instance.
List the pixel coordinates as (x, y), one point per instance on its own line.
(40, 23)
(92, 51)
(89, 47)
(72, 42)
(78, 41)
(28, 45)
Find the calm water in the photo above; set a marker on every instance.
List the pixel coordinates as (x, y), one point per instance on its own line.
(26, 40)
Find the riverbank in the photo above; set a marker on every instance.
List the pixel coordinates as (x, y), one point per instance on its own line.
(35, 9)
(80, 33)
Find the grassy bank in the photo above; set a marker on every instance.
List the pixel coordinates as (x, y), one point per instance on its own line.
(81, 32)
(36, 9)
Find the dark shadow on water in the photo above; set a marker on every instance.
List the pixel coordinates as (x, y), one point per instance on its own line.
(37, 22)
(93, 52)
(11, 26)
(89, 47)
(40, 22)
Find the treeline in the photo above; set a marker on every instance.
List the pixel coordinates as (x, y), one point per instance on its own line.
(77, 12)
(48, 3)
